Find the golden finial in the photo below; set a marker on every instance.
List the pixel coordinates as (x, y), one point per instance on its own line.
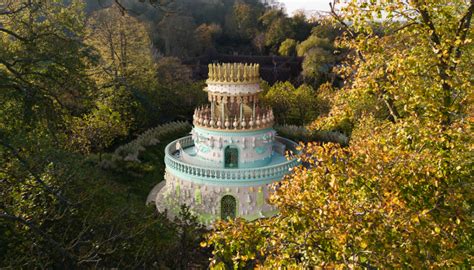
(232, 70)
(246, 74)
(225, 73)
(214, 72)
(233, 73)
(238, 73)
(209, 73)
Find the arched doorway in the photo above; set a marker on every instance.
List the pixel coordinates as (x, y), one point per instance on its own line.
(228, 207)
(231, 157)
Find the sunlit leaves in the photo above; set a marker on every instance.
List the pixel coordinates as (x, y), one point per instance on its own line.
(400, 194)
(384, 200)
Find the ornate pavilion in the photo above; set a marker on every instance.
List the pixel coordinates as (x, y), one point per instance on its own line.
(225, 167)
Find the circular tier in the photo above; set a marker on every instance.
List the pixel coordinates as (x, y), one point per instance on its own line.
(212, 173)
(260, 118)
(229, 149)
(213, 192)
(233, 88)
(207, 202)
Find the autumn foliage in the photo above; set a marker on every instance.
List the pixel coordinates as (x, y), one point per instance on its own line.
(400, 195)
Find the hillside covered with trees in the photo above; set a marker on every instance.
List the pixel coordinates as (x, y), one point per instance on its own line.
(92, 91)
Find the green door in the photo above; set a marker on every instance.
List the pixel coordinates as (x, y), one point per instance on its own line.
(228, 207)
(231, 157)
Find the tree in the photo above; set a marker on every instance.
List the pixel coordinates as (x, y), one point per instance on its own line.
(171, 72)
(314, 42)
(57, 208)
(366, 206)
(126, 75)
(96, 131)
(305, 103)
(33, 55)
(288, 47)
(179, 95)
(399, 195)
(242, 23)
(301, 26)
(206, 35)
(318, 58)
(123, 44)
(292, 105)
(277, 28)
(279, 97)
(189, 235)
(259, 42)
(177, 34)
(408, 67)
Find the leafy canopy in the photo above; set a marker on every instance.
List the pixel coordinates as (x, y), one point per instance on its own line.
(400, 195)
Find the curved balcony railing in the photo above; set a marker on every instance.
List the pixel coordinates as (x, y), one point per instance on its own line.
(263, 119)
(272, 172)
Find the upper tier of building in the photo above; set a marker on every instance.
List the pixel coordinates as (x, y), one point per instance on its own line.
(232, 136)
(233, 79)
(233, 73)
(233, 90)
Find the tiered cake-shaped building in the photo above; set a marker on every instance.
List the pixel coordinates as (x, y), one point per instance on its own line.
(225, 168)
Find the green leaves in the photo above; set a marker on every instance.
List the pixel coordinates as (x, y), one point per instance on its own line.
(288, 47)
(290, 104)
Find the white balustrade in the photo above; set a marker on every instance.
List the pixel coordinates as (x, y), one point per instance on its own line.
(202, 117)
(221, 174)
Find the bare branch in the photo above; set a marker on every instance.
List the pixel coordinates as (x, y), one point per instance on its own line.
(461, 33)
(11, 33)
(406, 25)
(345, 25)
(35, 176)
(38, 231)
(11, 12)
(425, 15)
(340, 20)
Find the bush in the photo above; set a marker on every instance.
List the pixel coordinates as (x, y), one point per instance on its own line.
(128, 155)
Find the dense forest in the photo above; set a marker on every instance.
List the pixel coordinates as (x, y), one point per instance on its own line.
(92, 91)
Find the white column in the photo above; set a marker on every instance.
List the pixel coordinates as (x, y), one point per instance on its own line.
(253, 109)
(222, 110)
(212, 108)
(241, 109)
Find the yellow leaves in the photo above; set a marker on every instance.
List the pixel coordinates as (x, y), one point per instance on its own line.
(424, 212)
(375, 195)
(332, 182)
(218, 266)
(342, 238)
(457, 42)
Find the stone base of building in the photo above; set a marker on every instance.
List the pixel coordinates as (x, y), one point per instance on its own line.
(213, 202)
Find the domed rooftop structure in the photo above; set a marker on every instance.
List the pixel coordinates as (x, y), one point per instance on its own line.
(224, 169)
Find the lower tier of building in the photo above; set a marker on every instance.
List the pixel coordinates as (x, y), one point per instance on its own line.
(210, 203)
(213, 193)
